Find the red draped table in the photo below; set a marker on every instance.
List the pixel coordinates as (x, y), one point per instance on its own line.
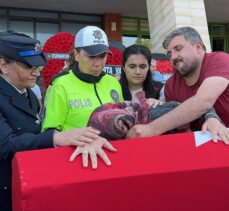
(159, 173)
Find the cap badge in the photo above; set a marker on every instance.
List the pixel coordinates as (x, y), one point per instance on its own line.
(114, 95)
(37, 47)
(98, 36)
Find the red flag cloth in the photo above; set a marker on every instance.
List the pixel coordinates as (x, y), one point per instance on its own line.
(155, 173)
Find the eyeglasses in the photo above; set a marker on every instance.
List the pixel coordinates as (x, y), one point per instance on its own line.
(27, 67)
(36, 69)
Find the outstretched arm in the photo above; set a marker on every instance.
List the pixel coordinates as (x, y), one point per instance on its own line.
(187, 111)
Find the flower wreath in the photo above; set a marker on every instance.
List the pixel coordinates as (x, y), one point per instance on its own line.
(57, 49)
(164, 66)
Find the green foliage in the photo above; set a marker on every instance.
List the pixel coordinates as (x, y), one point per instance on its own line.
(146, 42)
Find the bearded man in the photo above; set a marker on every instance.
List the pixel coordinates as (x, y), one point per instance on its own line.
(200, 82)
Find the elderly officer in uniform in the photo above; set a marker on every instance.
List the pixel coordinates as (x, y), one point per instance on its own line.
(20, 62)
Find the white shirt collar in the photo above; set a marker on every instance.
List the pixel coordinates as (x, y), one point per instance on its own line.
(21, 91)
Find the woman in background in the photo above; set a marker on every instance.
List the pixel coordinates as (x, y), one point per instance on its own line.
(136, 75)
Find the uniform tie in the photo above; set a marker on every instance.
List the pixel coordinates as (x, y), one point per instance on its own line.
(25, 94)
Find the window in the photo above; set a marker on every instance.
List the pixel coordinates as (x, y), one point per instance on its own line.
(43, 24)
(46, 30)
(218, 37)
(3, 26)
(135, 30)
(34, 14)
(25, 27)
(127, 40)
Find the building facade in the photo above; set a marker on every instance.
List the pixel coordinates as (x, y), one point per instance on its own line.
(124, 21)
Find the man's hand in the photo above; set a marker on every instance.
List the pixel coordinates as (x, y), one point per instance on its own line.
(75, 137)
(140, 131)
(215, 127)
(154, 102)
(93, 149)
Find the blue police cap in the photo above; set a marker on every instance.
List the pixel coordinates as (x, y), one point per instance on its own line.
(21, 48)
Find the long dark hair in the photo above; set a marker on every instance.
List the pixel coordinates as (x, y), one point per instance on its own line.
(72, 63)
(151, 90)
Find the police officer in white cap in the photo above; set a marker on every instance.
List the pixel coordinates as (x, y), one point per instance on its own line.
(21, 59)
(81, 89)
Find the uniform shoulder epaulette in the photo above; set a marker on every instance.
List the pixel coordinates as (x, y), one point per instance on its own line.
(64, 72)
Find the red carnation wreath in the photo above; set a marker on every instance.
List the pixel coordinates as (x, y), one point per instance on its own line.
(164, 66)
(61, 44)
(115, 58)
(114, 61)
(117, 49)
(57, 49)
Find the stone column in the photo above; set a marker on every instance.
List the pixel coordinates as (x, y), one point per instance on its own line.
(167, 15)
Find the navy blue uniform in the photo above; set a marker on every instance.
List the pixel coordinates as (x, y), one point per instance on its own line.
(19, 131)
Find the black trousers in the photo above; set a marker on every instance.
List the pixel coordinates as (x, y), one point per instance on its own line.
(5, 200)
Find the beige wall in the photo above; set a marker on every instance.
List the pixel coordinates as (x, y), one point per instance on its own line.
(167, 15)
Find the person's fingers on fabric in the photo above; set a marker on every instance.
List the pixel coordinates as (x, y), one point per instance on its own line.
(85, 158)
(218, 129)
(214, 138)
(224, 139)
(227, 137)
(149, 102)
(74, 137)
(86, 135)
(214, 126)
(91, 129)
(74, 154)
(85, 138)
(93, 158)
(137, 131)
(63, 139)
(91, 133)
(104, 157)
(204, 128)
(214, 135)
(109, 146)
(133, 133)
(130, 133)
(224, 135)
(153, 102)
(74, 142)
(227, 134)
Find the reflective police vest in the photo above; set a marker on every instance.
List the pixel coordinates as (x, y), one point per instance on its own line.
(70, 101)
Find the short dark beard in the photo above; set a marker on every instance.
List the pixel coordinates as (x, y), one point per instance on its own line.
(187, 70)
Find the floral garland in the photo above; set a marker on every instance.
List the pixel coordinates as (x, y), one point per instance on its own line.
(59, 43)
(164, 66)
(115, 58)
(63, 42)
